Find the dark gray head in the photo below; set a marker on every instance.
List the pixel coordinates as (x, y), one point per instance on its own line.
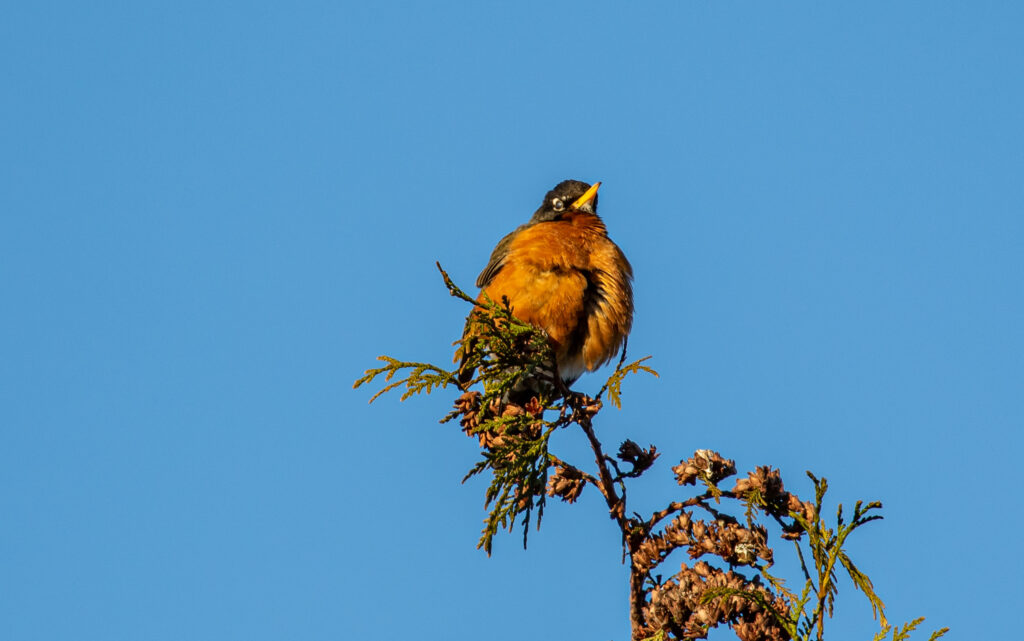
(568, 195)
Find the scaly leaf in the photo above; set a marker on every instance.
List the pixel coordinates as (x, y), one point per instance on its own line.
(614, 384)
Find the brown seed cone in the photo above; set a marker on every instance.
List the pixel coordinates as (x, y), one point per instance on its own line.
(704, 464)
(566, 483)
(678, 606)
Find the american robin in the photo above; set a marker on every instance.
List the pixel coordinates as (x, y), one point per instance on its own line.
(561, 273)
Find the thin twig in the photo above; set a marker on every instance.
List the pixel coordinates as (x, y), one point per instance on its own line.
(696, 501)
(607, 484)
(589, 478)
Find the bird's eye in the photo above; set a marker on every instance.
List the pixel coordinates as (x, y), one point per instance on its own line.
(557, 204)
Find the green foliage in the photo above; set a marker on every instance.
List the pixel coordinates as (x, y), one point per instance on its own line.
(502, 350)
(509, 359)
(424, 377)
(903, 633)
(827, 550)
(614, 383)
(519, 475)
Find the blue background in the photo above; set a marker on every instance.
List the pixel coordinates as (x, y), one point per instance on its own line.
(214, 216)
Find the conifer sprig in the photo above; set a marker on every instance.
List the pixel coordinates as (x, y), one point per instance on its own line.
(422, 378)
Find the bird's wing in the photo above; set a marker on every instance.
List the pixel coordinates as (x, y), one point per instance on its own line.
(498, 257)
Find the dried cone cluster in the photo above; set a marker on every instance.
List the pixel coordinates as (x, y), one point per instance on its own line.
(766, 484)
(468, 406)
(502, 438)
(638, 457)
(697, 599)
(680, 607)
(566, 483)
(706, 465)
(727, 539)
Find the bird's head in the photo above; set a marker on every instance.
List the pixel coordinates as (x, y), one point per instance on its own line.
(568, 195)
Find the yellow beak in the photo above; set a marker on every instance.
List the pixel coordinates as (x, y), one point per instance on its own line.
(586, 197)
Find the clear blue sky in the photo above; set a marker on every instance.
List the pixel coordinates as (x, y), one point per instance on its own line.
(213, 217)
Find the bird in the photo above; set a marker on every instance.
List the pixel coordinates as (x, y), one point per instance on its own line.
(562, 273)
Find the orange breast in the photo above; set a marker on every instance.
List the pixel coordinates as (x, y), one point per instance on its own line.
(568, 278)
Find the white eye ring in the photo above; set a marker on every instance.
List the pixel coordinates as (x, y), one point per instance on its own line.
(557, 204)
